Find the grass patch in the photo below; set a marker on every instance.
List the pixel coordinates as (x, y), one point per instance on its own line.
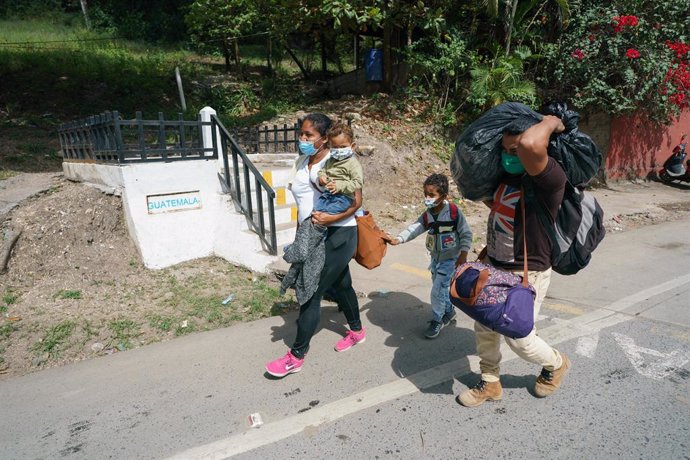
(6, 174)
(68, 294)
(162, 323)
(55, 339)
(123, 331)
(6, 330)
(10, 298)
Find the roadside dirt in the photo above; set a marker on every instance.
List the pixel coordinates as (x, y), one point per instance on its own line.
(75, 287)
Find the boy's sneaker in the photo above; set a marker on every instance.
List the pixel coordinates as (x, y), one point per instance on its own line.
(449, 317)
(550, 381)
(434, 329)
(351, 339)
(281, 367)
(483, 391)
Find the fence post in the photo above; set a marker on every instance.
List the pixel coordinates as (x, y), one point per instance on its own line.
(206, 132)
(161, 137)
(118, 137)
(140, 134)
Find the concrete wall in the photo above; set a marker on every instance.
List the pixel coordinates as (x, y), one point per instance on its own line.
(638, 147)
(177, 211)
(633, 146)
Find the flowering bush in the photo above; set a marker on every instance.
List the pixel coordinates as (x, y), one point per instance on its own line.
(629, 55)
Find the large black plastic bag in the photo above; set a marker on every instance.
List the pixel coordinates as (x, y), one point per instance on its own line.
(476, 164)
(574, 150)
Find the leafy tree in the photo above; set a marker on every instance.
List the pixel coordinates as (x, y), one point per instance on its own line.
(220, 22)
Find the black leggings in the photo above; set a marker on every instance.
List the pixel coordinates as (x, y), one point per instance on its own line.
(341, 244)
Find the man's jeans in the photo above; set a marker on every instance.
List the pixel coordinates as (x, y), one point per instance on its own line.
(441, 273)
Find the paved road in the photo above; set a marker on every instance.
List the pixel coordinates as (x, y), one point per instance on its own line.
(624, 322)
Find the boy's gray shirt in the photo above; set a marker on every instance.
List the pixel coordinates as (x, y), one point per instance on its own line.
(463, 231)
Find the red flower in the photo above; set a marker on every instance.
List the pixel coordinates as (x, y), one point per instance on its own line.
(578, 54)
(592, 37)
(681, 49)
(622, 22)
(632, 53)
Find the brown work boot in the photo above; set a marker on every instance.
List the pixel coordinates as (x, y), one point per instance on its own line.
(483, 391)
(550, 381)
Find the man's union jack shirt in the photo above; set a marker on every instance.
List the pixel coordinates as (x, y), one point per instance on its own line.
(504, 230)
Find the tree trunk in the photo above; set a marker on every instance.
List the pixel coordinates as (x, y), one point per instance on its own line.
(297, 61)
(387, 57)
(324, 63)
(226, 53)
(269, 55)
(510, 26)
(237, 54)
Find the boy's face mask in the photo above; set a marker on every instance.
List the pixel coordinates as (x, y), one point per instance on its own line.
(511, 163)
(430, 202)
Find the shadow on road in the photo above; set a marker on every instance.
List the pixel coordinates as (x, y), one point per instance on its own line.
(404, 317)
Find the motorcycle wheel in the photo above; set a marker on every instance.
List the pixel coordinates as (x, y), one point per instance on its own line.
(665, 177)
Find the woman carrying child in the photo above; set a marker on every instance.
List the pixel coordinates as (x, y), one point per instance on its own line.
(340, 246)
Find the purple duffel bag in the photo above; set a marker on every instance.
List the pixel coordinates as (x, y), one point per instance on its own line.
(495, 298)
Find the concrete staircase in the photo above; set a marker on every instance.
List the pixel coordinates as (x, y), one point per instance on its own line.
(276, 170)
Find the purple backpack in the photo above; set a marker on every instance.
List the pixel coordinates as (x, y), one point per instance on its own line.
(495, 298)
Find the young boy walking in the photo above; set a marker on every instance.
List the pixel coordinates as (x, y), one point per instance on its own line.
(448, 241)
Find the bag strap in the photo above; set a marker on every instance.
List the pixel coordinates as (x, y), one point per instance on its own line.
(525, 280)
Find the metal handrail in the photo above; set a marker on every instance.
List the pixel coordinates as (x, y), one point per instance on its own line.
(241, 190)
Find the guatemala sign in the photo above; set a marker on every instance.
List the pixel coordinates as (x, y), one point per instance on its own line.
(182, 201)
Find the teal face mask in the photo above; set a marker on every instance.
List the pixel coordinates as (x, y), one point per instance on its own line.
(511, 163)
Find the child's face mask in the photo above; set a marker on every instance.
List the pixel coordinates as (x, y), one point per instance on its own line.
(430, 202)
(341, 153)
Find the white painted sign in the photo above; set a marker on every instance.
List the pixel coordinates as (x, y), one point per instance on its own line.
(659, 369)
(169, 202)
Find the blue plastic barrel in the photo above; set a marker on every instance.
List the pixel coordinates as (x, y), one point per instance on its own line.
(373, 64)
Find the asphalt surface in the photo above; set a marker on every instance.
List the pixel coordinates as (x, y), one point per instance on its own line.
(623, 321)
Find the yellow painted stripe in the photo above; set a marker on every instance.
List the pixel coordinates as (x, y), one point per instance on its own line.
(564, 308)
(412, 270)
(293, 214)
(280, 196)
(268, 175)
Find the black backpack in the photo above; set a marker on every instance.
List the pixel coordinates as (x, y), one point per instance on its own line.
(577, 230)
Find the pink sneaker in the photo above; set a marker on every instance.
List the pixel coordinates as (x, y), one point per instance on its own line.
(281, 367)
(351, 339)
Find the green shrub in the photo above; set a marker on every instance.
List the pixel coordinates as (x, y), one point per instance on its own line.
(615, 57)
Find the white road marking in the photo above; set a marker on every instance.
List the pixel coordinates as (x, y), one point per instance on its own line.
(564, 330)
(627, 302)
(587, 346)
(654, 369)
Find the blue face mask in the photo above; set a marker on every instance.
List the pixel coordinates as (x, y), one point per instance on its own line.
(307, 148)
(511, 163)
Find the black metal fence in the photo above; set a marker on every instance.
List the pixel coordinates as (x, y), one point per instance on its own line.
(110, 139)
(263, 139)
(251, 202)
